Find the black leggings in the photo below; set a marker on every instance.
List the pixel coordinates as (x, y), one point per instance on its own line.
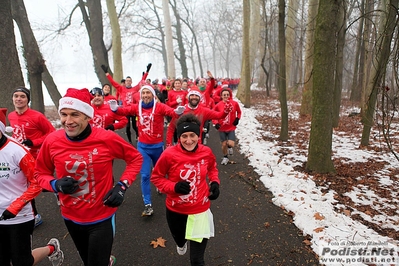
(15, 244)
(177, 225)
(94, 241)
(134, 126)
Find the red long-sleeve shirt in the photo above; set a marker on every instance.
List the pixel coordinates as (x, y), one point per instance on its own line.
(151, 128)
(32, 125)
(88, 161)
(103, 117)
(226, 123)
(176, 164)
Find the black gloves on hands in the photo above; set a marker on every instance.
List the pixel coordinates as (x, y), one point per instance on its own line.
(214, 191)
(27, 142)
(149, 67)
(217, 126)
(236, 121)
(114, 197)
(182, 187)
(110, 127)
(7, 215)
(66, 185)
(104, 68)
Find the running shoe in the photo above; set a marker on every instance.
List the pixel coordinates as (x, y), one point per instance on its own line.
(148, 210)
(225, 161)
(57, 257)
(182, 250)
(38, 220)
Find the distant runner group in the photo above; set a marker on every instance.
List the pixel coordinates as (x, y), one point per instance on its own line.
(75, 162)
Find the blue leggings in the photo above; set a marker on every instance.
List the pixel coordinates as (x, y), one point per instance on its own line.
(151, 154)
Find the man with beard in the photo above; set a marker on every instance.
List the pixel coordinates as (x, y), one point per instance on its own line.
(150, 114)
(203, 113)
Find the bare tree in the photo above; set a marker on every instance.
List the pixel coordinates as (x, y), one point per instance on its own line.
(385, 34)
(10, 69)
(282, 80)
(320, 143)
(169, 39)
(179, 37)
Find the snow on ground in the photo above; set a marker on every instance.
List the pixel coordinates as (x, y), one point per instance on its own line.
(313, 209)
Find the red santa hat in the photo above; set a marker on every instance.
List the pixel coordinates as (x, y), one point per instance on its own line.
(194, 91)
(3, 113)
(77, 99)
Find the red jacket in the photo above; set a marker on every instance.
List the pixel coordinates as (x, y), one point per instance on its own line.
(31, 125)
(172, 98)
(176, 164)
(90, 162)
(103, 117)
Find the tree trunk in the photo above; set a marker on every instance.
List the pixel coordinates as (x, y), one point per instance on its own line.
(51, 86)
(244, 88)
(10, 69)
(306, 105)
(320, 143)
(94, 26)
(282, 81)
(380, 60)
(169, 39)
(116, 41)
(290, 45)
(254, 31)
(355, 90)
(339, 67)
(182, 59)
(32, 55)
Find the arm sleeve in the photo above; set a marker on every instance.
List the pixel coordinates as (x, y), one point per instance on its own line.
(159, 173)
(129, 110)
(46, 127)
(115, 84)
(238, 110)
(122, 121)
(170, 132)
(44, 168)
(27, 165)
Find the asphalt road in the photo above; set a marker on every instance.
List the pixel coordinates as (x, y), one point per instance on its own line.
(249, 228)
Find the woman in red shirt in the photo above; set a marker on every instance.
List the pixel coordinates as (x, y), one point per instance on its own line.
(188, 192)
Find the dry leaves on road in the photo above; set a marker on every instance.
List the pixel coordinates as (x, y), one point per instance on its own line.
(159, 242)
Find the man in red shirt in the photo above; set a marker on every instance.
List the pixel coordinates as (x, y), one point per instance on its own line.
(81, 157)
(103, 116)
(227, 125)
(30, 128)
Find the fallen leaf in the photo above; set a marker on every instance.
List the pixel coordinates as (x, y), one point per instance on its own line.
(307, 242)
(318, 229)
(318, 216)
(347, 212)
(160, 242)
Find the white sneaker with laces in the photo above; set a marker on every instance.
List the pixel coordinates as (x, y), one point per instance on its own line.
(57, 257)
(225, 161)
(182, 250)
(230, 151)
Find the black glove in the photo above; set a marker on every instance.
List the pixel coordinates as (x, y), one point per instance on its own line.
(182, 187)
(149, 67)
(27, 142)
(142, 74)
(236, 121)
(114, 197)
(214, 191)
(110, 127)
(66, 185)
(104, 68)
(7, 215)
(217, 126)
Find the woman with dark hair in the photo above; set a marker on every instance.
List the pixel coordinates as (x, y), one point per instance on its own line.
(187, 174)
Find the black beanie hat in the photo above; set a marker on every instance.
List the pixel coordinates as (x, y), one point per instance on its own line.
(24, 90)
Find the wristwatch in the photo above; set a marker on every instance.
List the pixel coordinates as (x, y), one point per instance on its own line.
(126, 183)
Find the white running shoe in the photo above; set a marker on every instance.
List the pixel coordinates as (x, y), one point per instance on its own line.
(225, 161)
(57, 257)
(183, 250)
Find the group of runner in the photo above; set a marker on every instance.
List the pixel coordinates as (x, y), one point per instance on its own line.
(81, 154)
